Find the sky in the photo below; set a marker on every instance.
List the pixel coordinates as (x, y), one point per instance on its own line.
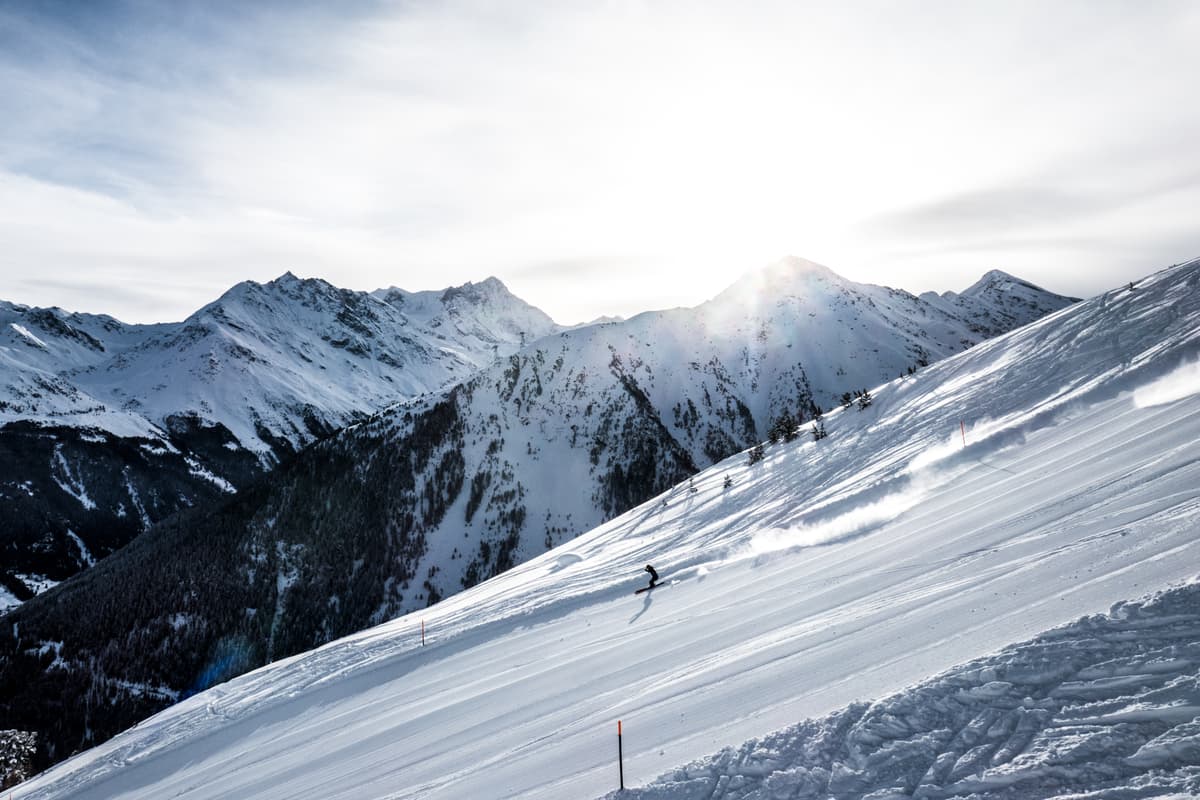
(601, 158)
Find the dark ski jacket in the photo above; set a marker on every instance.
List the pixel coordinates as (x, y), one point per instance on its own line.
(653, 574)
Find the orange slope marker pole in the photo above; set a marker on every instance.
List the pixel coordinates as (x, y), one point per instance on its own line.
(620, 757)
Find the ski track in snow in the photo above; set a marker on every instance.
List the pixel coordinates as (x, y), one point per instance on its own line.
(828, 574)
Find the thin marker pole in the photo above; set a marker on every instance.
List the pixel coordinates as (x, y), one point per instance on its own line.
(962, 427)
(422, 633)
(620, 756)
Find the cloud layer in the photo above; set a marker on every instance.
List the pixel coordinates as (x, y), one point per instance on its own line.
(599, 157)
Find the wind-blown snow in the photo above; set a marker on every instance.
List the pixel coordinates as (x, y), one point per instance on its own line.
(884, 555)
(1169, 388)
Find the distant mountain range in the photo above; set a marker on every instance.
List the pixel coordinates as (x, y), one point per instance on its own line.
(106, 428)
(521, 449)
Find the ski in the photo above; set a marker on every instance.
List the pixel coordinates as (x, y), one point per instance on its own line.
(648, 588)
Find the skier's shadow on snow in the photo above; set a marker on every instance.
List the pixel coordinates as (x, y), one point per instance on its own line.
(645, 608)
(998, 469)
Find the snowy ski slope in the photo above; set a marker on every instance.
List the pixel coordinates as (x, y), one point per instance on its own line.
(1105, 707)
(831, 572)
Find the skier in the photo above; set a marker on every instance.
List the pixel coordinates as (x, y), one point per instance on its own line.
(653, 576)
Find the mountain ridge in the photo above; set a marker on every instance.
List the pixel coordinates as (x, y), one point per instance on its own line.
(209, 403)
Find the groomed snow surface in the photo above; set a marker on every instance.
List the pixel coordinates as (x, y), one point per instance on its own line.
(829, 575)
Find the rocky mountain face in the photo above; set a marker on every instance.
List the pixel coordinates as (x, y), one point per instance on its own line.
(106, 428)
(447, 489)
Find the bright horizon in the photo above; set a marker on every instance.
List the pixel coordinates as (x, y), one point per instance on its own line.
(600, 159)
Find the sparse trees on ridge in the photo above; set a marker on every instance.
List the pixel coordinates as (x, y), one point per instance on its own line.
(784, 427)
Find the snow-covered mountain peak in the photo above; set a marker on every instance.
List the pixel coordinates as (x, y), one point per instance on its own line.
(998, 302)
(997, 280)
(477, 292)
(486, 313)
(256, 318)
(604, 319)
(280, 362)
(69, 337)
(491, 288)
(490, 294)
(790, 276)
(279, 291)
(797, 265)
(263, 370)
(288, 277)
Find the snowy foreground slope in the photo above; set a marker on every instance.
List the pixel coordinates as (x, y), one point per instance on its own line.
(1108, 705)
(829, 573)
